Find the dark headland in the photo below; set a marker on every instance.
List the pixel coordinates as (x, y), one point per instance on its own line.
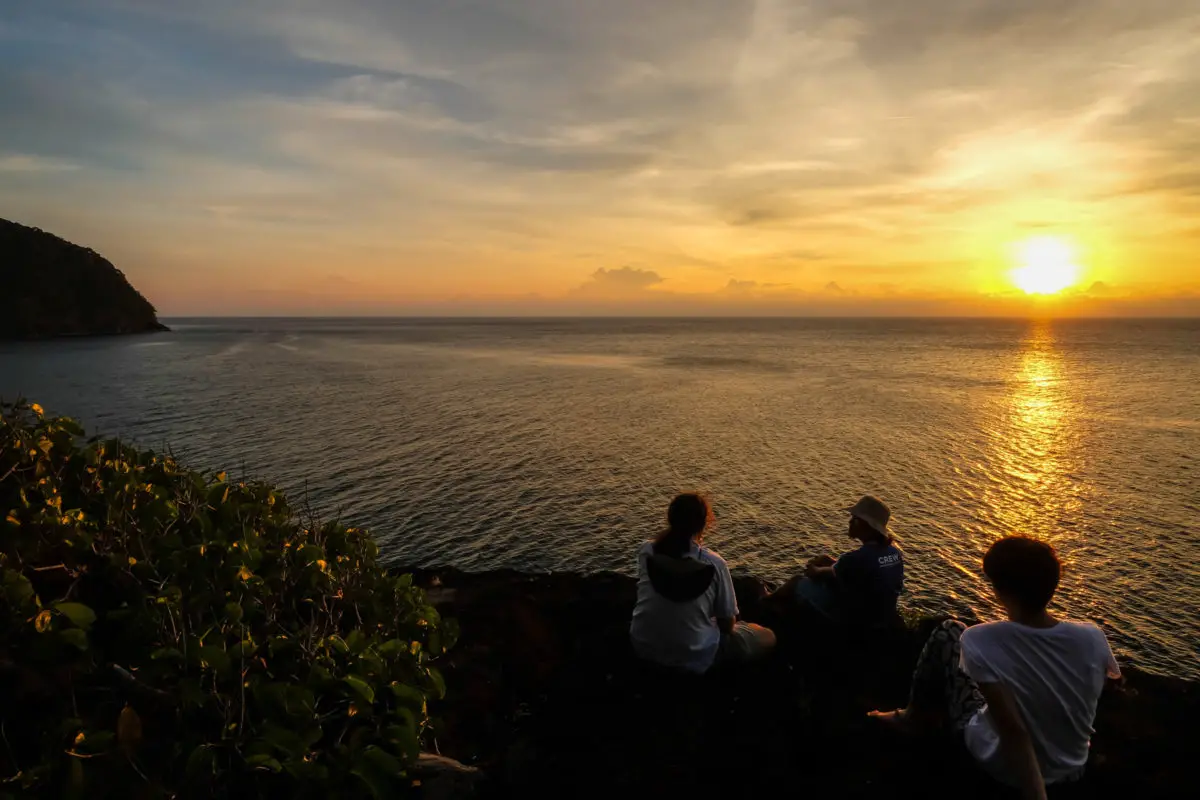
(546, 699)
(52, 288)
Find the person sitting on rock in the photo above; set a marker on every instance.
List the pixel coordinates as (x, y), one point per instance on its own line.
(686, 613)
(862, 586)
(1022, 692)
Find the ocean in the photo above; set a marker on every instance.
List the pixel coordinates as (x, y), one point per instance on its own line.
(557, 444)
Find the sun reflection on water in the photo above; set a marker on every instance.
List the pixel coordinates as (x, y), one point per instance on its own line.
(1038, 446)
(1031, 466)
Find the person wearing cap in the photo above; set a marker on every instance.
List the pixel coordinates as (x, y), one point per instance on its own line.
(862, 586)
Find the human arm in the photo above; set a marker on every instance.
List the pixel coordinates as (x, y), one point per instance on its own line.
(820, 573)
(820, 568)
(725, 608)
(1015, 741)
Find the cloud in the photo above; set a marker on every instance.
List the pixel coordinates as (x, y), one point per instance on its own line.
(16, 162)
(892, 148)
(619, 282)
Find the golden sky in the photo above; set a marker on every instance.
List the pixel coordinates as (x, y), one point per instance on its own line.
(612, 156)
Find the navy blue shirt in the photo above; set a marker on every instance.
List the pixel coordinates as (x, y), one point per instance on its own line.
(871, 579)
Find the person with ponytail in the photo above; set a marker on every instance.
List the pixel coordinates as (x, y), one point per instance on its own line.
(686, 613)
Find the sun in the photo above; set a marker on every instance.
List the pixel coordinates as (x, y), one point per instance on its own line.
(1047, 265)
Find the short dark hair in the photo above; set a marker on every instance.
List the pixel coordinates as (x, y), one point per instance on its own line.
(1025, 569)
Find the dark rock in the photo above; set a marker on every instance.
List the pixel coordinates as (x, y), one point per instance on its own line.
(546, 697)
(51, 287)
(444, 778)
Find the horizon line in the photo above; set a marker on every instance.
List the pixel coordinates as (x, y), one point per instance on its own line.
(532, 317)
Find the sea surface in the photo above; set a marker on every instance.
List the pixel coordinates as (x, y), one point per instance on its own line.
(557, 444)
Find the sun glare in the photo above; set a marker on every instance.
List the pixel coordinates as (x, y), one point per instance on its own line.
(1047, 265)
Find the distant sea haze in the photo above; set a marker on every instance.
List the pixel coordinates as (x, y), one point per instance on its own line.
(556, 444)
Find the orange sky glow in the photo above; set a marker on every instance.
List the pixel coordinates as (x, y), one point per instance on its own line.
(618, 157)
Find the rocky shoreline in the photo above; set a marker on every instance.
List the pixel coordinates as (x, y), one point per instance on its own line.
(546, 699)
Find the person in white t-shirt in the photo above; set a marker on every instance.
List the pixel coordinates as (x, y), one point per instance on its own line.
(1023, 692)
(686, 613)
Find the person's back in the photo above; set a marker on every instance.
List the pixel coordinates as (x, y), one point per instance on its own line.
(871, 580)
(678, 600)
(1023, 692)
(686, 612)
(859, 589)
(1056, 676)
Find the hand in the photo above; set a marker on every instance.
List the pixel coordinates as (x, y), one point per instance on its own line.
(822, 561)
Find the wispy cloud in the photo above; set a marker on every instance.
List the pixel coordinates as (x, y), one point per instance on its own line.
(518, 146)
(16, 162)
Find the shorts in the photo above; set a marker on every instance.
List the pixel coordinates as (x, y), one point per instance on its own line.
(747, 642)
(821, 597)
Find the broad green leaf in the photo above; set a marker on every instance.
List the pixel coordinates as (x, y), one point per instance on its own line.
(199, 762)
(215, 659)
(263, 761)
(129, 729)
(80, 615)
(218, 494)
(17, 587)
(279, 644)
(284, 740)
(243, 649)
(360, 687)
(94, 741)
(393, 647)
(404, 738)
(450, 633)
(74, 637)
(408, 696)
(312, 554)
(438, 682)
(379, 770)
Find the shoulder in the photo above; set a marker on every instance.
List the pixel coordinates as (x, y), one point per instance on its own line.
(1081, 627)
(985, 633)
(890, 555)
(1085, 631)
(713, 557)
(646, 549)
(861, 554)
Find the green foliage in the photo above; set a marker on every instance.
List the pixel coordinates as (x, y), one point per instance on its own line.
(165, 632)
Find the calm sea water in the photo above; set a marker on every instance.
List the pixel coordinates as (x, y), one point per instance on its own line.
(556, 445)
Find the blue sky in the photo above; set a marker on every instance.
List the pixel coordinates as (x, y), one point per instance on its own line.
(544, 156)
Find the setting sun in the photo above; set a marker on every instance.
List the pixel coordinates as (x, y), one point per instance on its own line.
(1047, 265)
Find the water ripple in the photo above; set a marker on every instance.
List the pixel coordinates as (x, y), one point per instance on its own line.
(555, 444)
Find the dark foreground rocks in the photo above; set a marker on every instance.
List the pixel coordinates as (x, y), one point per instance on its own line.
(547, 700)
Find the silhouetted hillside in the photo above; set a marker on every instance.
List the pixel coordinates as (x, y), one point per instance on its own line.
(51, 287)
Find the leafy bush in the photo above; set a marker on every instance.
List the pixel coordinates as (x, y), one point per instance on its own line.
(166, 632)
